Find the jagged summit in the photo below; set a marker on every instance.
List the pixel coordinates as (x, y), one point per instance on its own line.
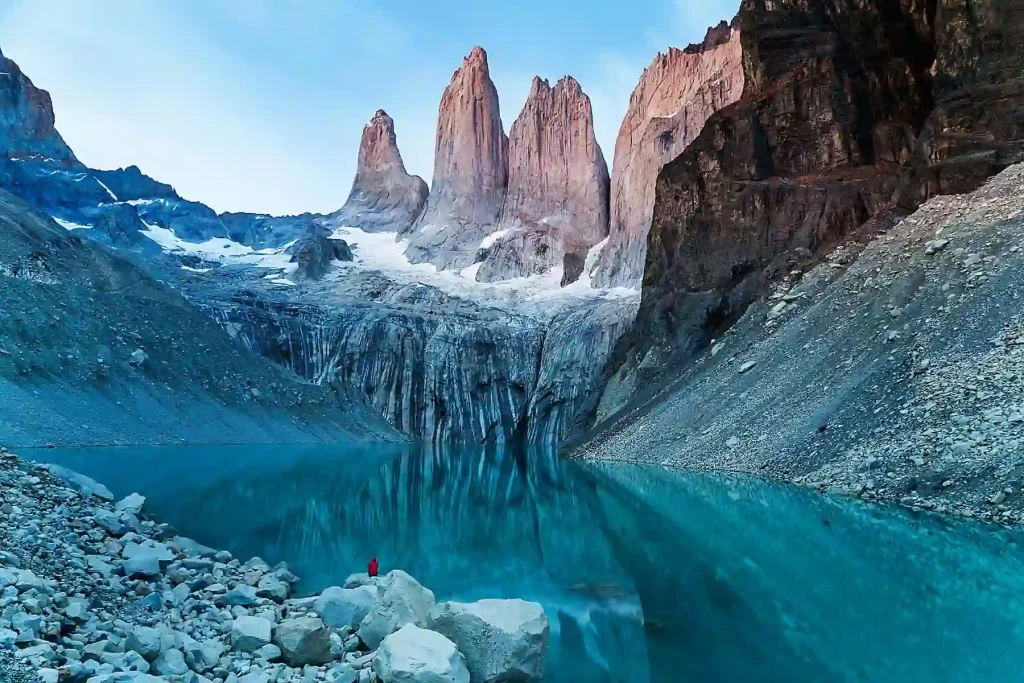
(470, 170)
(384, 195)
(557, 202)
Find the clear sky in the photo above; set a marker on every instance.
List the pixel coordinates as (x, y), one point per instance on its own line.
(258, 105)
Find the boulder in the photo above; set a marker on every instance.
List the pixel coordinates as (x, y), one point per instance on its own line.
(145, 641)
(131, 503)
(416, 655)
(502, 640)
(249, 634)
(403, 601)
(111, 523)
(242, 596)
(80, 483)
(145, 560)
(341, 607)
(170, 663)
(303, 641)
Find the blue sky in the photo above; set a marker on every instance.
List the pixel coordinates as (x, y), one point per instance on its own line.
(258, 105)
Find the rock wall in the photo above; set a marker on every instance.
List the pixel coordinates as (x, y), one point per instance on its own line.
(675, 96)
(26, 118)
(470, 170)
(384, 196)
(811, 152)
(976, 128)
(557, 199)
(440, 369)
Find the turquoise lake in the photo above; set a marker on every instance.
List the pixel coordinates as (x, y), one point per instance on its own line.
(647, 574)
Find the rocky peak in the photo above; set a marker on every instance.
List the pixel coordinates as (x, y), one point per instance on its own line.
(26, 117)
(557, 200)
(470, 169)
(384, 196)
(674, 98)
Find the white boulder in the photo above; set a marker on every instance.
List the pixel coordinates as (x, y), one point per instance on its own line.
(249, 634)
(341, 607)
(416, 655)
(403, 601)
(502, 640)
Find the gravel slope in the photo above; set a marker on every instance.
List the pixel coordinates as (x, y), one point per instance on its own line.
(893, 371)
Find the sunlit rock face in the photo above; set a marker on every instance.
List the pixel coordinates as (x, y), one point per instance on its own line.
(470, 170)
(384, 196)
(675, 96)
(557, 201)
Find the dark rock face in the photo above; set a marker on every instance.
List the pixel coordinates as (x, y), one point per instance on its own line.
(835, 97)
(384, 196)
(558, 184)
(315, 252)
(852, 111)
(26, 118)
(976, 128)
(470, 170)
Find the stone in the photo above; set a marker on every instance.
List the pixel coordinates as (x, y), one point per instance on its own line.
(343, 673)
(676, 94)
(111, 523)
(558, 184)
(416, 655)
(269, 652)
(341, 607)
(314, 255)
(384, 196)
(80, 483)
(748, 366)
(403, 601)
(144, 640)
(131, 503)
(502, 640)
(145, 560)
(272, 588)
(241, 595)
(138, 357)
(249, 634)
(470, 171)
(170, 663)
(303, 641)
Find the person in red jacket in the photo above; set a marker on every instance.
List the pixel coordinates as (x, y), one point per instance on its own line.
(372, 568)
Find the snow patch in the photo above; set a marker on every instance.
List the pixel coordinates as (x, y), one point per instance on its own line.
(489, 241)
(112, 195)
(68, 225)
(196, 270)
(385, 252)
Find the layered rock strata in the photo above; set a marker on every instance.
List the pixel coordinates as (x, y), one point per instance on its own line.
(470, 170)
(384, 196)
(557, 201)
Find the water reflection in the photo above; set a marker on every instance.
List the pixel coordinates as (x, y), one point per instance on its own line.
(647, 574)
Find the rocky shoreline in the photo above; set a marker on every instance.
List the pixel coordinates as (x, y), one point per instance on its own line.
(93, 592)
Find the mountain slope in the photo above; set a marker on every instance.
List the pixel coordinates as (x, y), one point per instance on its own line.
(94, 350)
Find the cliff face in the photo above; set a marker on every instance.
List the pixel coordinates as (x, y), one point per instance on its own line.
(557, 200)
(470, 170)
(26, 118)
(976, 128)
(384, 196)
(835, 97)
(675, 96)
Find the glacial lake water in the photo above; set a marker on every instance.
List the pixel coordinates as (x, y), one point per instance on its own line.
(647, 574)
